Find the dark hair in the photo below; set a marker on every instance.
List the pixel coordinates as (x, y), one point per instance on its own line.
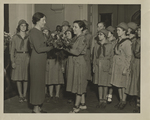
(36, 17)
(18, 27)
(58, 26)
(102, 23)
(81, 24)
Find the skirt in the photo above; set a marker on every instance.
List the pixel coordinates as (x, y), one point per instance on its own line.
(54, 74)
(20, 72)
(76, 75)
(133, 84)
(101, 75)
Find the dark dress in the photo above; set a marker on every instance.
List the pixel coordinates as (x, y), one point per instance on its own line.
(37, 66)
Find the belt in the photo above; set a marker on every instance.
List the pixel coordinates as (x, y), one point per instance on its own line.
(22, 52)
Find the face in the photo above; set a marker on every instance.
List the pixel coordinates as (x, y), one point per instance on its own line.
(76, 29)
(68, 35)
(139, 32)
(101, 36)
(120, 32)
(129, 31)
(100, 26)
(109, 34)
(64, 28)
(58, 29)
(42, 22)
(46, 32)
(23, 27)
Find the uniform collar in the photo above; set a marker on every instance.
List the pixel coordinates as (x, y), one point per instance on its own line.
(26, 35)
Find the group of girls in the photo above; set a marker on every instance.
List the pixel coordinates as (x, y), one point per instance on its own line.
(113, 62)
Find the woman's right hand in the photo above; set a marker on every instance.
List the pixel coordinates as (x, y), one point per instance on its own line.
(13, 65)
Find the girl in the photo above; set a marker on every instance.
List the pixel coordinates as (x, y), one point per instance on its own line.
(138, 56)
(103, 52)
(69, 36)
(132, 88)
(54, 73)
(121, 63)
(20, 59)
(38, 62)
(76, 73)
(112, 40)
(100, 25)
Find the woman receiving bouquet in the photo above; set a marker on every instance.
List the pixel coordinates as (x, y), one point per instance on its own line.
(76, 75)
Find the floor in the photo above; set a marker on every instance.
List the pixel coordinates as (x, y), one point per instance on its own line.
(11, 104)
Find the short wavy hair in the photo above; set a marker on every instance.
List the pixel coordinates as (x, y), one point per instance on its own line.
(36, 17)
(81, 24)
(18, 27)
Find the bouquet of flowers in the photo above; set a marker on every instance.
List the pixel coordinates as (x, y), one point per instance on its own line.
(7, 38)
(59, 41)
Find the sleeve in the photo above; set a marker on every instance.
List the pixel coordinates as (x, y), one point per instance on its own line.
(137, 52)
(92, 44)
(128, 53)
(81, 46)
(37, 43)
(12, 50)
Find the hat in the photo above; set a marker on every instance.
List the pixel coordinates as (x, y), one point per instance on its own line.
(86, 23)
(65, 23)
(104, 31)
(123, 25)
(111, 29)
(22, 22)
(132, 25)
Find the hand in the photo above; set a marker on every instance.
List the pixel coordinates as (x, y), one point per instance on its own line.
(124, 72)
(93, 69)
(13, 65)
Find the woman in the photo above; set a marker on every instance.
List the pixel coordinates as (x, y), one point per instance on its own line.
(76, 72)
(103, 53)
(38, 62)
(121, 63)
(112, 40)
(20, 59)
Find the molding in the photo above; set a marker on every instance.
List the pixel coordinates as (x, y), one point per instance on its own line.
(57, 8)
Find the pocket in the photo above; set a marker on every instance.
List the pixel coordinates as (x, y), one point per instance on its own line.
(106, 65)
(17, 61)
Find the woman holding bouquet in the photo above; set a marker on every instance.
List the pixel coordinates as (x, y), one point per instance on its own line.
(76, 72)
(38, 62)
